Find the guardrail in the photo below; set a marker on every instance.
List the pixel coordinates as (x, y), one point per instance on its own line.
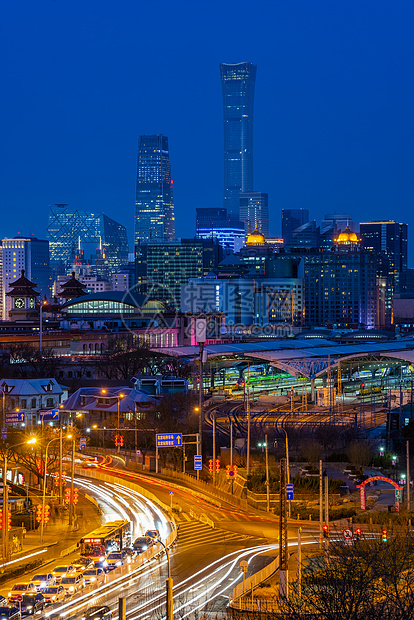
(249, 584)
(203, 518)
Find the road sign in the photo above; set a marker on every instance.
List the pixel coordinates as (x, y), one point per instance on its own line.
(169, 440)
(289, 492)
(82, 442)
(14, 417)
(48, 414)
(19, 598)
(4, 433)
(198, 462)
(348, 534)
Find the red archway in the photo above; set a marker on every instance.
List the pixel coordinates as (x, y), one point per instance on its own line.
(397, 487)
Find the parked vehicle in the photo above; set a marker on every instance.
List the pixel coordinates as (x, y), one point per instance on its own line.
(54, 594)
(43, 580)
(73, 583)
(32, 603)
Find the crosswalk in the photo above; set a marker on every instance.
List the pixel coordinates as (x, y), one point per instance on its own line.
(195, 533)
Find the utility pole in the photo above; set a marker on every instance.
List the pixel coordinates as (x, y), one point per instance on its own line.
(248, 432)
(327, 519)
(60, 466)
(320, 505)
(214, 447)
(267, 477)
(283, 537)
(300, 562)
(71, 505)
(408, 476)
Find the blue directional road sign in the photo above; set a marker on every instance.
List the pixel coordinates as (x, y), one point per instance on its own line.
(198, 462)
(4, 433)
(170, 440)
(48, 414)
(14, 417)
(289, 492)
(82, 442)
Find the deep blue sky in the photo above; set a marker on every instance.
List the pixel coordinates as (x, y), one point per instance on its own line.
(81, 80)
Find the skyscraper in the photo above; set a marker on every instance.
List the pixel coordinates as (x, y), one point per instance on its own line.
(154, 204)
(291, 220)
(254, 212)
(30, 254)
(237, 82)
(388, 240)
(68, 229)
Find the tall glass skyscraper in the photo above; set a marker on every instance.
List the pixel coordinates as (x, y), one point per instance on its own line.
(69, 229)
(154, 205)
(237, 82)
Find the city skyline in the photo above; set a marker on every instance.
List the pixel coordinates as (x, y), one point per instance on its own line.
(332, 131)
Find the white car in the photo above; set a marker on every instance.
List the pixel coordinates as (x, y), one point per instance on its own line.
(94, 575)
(54, 594)
(73, 583)
(43, 580)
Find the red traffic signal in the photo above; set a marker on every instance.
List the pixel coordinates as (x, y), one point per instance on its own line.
(384, 536)
(325, 531)
(358, 533)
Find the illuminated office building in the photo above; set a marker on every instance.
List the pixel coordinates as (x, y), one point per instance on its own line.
(238, 81)
(254, 212)
(291, 220)
(154, 204)
(95, 236)
(30, 254)
(214, 223)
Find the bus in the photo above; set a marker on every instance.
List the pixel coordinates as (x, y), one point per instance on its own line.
(112, 536)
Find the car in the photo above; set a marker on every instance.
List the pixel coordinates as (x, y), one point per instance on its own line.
(154, 534)
(21, 588)
(9, 613)
(143, 543)
(32, 603)
(83, 564)
(94, 575)
(98, 612)
(73, 583)
(43, 580)
(61, 571)
(54, 594)
(117, 558)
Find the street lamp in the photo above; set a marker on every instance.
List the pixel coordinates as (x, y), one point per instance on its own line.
(44, 488)
(168, 582)
(43, 303)
(6, 500)
(287, 464)
(264, 445)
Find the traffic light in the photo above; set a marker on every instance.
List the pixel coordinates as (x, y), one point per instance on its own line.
(384, 536)
(210, 466)
(325, 531)
(121, 440)
(358, 533)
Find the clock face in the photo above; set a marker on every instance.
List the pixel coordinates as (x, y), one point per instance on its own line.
(32, 302)
(19, 303)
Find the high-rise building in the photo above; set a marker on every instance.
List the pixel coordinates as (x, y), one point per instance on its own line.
(30, 254)
(340, 285)
(388, 240)
(163, 267)
(214, 223)
(254, 212)
(238, 81)
(154, 204)
(291, 220)
(74, 232)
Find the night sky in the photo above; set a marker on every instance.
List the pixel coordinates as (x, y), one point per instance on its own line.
(333, 120)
